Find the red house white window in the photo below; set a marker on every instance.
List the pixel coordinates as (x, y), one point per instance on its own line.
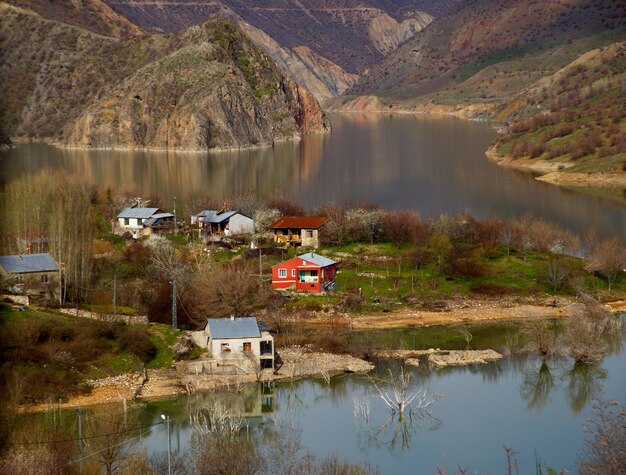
(293, 272)
(282, 273)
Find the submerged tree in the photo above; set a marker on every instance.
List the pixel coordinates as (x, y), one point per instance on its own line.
(396, 392)
(588, 329)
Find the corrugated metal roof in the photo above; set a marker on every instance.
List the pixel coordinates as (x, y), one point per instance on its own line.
(162, 215)
(299, 222)
(224, 328)
(141, 213)
(212, 216)
(317, 259)
(29, 263)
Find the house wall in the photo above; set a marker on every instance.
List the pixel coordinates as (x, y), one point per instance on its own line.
(46, 285)
(293, 266)
(239, 224)
(236, 346)
(310, 237)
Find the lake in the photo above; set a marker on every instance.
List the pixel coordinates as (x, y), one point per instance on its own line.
(537, 410)
(427, 164)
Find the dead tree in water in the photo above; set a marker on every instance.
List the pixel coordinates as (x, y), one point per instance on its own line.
(400, 397)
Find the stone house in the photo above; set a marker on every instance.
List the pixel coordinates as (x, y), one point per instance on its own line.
(35, 275)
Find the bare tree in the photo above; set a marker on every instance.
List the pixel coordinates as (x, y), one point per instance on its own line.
(605, 452)
(400, 226)
(607, 257)
(587, 330)
(540, 337)
(396, 392)
(230, 291)
(557, 273)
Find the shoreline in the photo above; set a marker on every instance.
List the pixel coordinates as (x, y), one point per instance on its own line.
(557, 174)
(302, 363)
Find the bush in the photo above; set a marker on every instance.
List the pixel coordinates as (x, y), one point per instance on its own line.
(138, 342)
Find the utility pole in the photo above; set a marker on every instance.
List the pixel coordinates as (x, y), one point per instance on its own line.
(80, 433)
(174, 316)
(175, 218)
(169, 444)
(260, 264)
(114, 294)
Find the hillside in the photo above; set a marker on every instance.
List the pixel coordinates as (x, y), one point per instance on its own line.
(323, 45)
(572, 123)
(487, 51)
(205, 87)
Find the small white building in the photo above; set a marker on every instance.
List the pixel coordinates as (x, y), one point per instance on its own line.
(142, 221)
(232, 339)
(222, 223)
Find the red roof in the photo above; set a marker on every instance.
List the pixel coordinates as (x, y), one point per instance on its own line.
(300, 222)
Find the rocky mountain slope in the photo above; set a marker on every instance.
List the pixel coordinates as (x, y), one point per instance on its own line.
(324, 45)
(571, 124)
(206, 87)
(489, 50)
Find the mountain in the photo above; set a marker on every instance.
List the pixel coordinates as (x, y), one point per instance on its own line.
(206, 87)
(93, 15)
(324, 45)
(571, 125)
(489, 50)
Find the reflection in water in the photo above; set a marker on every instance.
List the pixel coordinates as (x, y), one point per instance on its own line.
(582, 384)
(430, 165)
(537, 385)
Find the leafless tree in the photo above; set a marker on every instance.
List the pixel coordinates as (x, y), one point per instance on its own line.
(396, 392)
(605, 452)
(229, 291)
(364, 224)
(557, 273)
(540, 337)
(400, 226)
(587, 330)
(607, 257)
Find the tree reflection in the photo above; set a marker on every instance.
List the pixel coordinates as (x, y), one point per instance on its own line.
(583, 381)
(537, 385)
(396, 433)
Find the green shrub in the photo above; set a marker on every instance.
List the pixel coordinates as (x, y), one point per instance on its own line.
(138, 342)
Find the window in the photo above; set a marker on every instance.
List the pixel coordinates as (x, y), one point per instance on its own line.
(126, 221)
(247, 346)
(266, 347)
(44, 278)
(293, 272)
(282, 273)
(308, 233)
(139, 221)
(225, 348)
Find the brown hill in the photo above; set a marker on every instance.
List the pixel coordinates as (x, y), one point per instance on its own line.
(94, 15)
(208, 86)
(460, 51)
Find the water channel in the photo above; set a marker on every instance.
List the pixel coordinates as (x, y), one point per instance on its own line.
(430, 165)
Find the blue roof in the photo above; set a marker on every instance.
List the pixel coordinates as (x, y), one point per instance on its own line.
(317, 259)
(138, 212)
(223, 328)
(29, 263)
(212, 216)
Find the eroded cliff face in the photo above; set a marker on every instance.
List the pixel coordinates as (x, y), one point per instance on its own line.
(207, 87)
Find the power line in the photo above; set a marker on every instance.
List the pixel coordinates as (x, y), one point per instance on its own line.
(41, 442)
(112, 446)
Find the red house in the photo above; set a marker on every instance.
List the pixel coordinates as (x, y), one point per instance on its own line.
(307, 273)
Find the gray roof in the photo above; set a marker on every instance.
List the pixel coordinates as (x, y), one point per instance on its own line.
(223, 328)
(29, 263)
(138, 212)
(212, 216)
(317, 259)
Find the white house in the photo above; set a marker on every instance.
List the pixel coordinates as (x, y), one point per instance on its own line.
(227, 223)
(142, 221)
(239, 339)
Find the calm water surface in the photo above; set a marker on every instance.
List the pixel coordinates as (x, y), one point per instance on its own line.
(431, 165)
(513, 402)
